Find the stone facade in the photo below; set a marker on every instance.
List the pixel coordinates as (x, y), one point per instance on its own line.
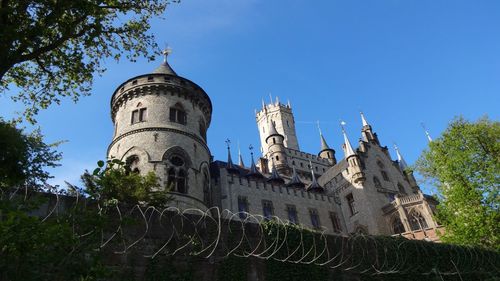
(161, 121)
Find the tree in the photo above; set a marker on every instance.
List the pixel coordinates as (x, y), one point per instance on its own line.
(51, 49)
(116, 183)
(24, 157)
(464, 164)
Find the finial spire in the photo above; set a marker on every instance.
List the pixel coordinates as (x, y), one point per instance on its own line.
(295, 180)
(314, 186)
(253, 168)
(348, 147)
(167, 51)
(263, 104)
(363, 119)
(324, 145)
(401, 160)
(426, 132)
(230, 164)
(240, 158)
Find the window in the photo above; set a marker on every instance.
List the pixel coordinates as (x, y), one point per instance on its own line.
(267, 209)
(206, 189)
(391, 197)
(351, 204)
(134, 82)
(177, 176)
(417, 222)
(384, 175)
(242, 207)
(292, 214)
(139, 115)
(181, 182)
(397, 226)
(380, 164)
(150, 78)
(277, 158)
(203, 130)
(178, 115)
(335, 222)
(314, 218)
(377, 183)
(401, 189)
(131, 164)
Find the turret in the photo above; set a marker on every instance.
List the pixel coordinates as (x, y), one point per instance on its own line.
(254, 172)
(230, 166)
(276, 153)
(353, 160)
(367, 132)
(295, 181)
(407, 172)
(326, 152)
(275, 177)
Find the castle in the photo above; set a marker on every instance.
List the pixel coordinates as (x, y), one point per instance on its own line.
(160, 124)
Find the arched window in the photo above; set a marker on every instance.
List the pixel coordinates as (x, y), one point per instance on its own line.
(401, 189)
(377, 183)
(417, 221)
(171, 179)
(380, 164)
(384, 175)
(181, 181)
(178, 114)
(206, 189)
(132, 164)
(397, 226)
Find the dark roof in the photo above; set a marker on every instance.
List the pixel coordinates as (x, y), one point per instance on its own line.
(164, 68)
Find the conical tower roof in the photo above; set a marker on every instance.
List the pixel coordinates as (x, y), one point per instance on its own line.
(314, 186)
(295, 181)
(324, 145)
(275, 176)
(254, 172)
(164, 67)
(401, 160)
(348, 147)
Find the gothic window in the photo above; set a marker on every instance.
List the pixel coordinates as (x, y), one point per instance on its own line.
(178, 114)
(384, 175)
(417, 221)
(139, 115)
(292, 214)
(380, 164)
(177, 175)
(301, 164)
(243, 207)
(274, 141)
(267, 209)
(401, 189)
(277, 158)
(132, 163)
(391, 197)
(351, 204)
(335, 222)
(397, 226)
(377, 183)
(181, 182)
(314, 218)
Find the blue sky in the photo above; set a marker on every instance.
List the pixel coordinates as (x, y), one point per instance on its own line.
(400, 62)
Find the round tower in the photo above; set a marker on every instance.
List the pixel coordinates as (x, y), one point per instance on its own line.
(160, 124)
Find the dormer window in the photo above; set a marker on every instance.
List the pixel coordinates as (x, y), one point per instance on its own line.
(178, 114)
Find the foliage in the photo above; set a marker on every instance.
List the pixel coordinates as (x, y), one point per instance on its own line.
(50, 249)
(52, 49)
(113, 182)
(464, 164)
(24, 157)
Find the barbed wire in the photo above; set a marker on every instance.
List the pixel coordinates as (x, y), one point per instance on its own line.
(216, 233)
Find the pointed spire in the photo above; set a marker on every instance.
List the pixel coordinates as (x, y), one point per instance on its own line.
(272, 128)
(314, 186)
(363, 120)
(240, 158)
(324, 145)
(401, 160)
(295, 180)
(275, 177)
(427, 133)
(164, 67)
(263, 104)
(230, 165)
(289, 104)
(348, 147)
(254, 172)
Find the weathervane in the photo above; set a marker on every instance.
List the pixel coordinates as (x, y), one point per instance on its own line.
(166, 52)
(228, 143)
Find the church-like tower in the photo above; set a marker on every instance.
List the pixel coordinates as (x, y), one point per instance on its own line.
(160, 124)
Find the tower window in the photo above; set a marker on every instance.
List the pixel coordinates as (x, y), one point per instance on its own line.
(401, 189)
(178, 115)
(351, 204)
(277, 158)
(397, 226)
(314, 218)
(139, 115)
(292, 214)
(203, 130)
(377, 183)
(267, 209)
(150, 78)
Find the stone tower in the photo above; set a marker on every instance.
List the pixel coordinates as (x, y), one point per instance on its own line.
(160, 124)
(282, 117)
